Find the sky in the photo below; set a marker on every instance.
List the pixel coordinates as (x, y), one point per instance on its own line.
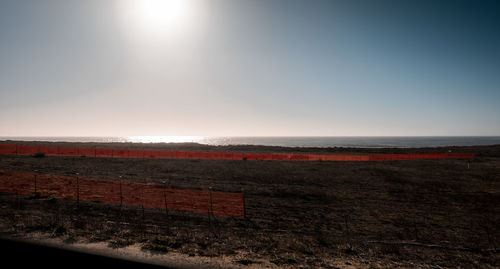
(249, 68)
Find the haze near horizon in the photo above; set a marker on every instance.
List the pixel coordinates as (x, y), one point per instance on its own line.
(249, 68)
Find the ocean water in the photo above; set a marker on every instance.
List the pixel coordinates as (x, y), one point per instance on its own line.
(332, 141)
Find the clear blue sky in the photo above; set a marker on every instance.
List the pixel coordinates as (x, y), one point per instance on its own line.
(261, 67)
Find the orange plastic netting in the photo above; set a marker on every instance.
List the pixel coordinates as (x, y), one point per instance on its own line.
(108, 191)
(13, 149)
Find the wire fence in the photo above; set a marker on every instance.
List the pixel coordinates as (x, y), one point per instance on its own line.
(123, 193)
(19, 149)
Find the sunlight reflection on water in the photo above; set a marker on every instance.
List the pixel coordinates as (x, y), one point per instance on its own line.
(165, 139)
(363, 142)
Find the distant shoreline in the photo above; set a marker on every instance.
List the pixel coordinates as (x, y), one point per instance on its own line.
(372, 142)
(481, 150)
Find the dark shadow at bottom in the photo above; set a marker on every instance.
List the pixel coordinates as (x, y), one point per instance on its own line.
(21, 254)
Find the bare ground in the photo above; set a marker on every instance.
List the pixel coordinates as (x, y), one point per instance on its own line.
(425, 213)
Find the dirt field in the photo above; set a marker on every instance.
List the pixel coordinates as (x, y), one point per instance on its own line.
(426, 213)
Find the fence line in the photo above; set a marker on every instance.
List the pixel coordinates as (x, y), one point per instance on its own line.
(19, 149)
(123, 192)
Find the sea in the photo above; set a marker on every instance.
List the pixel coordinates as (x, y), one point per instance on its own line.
(285, 141)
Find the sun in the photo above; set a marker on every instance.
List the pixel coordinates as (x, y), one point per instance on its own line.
(156, 17)
(162, 13)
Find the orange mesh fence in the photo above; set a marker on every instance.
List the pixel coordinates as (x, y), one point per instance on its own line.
(394, 157)
(238, 156)
(120, 153)
(137, 153)
(21, 183)
(315, 157)
(376, 157)
(276, 157)
(87, 152)
(49, 150)
(215, 155)
(254, 156)
(180, 155)
(151, 154)
(106, 191)
(299, 157)
(125, 192)
(192, 155)
(27, 149)
(166, 154)
(8, 149)
(131, 193)
(52, 185)
(221, 204)
(204, 155)
(68, 151)
(103, 152)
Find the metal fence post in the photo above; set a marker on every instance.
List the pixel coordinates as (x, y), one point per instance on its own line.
(243, 203)
(77, 190)
(142, 200)
(210, 207)
(35, 184)
(121, 192)
(165, 197)
(211, 203)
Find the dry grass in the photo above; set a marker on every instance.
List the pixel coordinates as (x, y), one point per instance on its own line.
(385, 214)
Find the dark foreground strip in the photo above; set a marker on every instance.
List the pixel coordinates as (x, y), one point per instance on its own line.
(21, 254)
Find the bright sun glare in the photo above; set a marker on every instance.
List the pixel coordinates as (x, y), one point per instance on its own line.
(156, 16)
(162, 13)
